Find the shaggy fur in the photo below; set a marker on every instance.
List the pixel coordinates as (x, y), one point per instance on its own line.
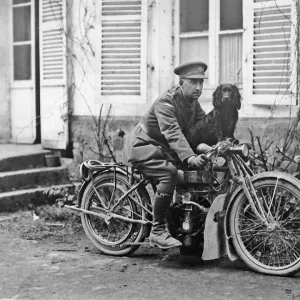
(219, 123)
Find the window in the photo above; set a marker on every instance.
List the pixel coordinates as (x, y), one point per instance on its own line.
(230, 41)
(211, 31)
(22, 62)
(22, 40)
(271, 59)
(194, 25)
(192, 18)
(231, 14)
(121, 52)
(20, 1)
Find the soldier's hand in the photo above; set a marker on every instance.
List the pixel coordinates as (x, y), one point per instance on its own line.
(199, 161)
(223, 145)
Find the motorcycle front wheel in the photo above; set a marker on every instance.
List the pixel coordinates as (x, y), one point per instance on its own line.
(272, 249)
(116, 236)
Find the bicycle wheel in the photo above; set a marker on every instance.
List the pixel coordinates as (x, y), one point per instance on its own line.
(274, 248)
(116, 236)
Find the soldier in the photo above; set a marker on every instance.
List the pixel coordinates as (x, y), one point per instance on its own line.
(158, 140)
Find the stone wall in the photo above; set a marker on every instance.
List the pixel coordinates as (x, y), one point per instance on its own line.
(269, 130)
(82, 134)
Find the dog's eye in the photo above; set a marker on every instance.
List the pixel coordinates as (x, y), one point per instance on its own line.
(227, 90)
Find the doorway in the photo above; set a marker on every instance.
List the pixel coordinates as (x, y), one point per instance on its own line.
(25, 96)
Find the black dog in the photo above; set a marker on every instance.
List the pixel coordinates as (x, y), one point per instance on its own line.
(219, 123)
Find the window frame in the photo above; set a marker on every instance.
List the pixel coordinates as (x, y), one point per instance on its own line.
(213, 35)
(26, 82)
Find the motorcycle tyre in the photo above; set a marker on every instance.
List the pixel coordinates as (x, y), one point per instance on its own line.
(142, 230)
(237, 243)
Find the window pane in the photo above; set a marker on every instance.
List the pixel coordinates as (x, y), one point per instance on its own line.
(22, 21)
(193, 15)
(231, 14)
(194, 49)
(21, 1)
(231, 58)
(22, 62)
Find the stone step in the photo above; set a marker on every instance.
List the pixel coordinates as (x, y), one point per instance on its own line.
(31, 178)
(29, 198)
(22, 162)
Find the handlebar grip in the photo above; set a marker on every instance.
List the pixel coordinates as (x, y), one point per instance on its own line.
(209, 155)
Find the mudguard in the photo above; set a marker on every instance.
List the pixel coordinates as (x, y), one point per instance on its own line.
(216, 234)
(85, 183)
(216, 243)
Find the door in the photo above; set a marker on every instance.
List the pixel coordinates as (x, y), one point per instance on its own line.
(53, 74)
(23, 85)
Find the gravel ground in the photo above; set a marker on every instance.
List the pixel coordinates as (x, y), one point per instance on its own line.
(50, 258)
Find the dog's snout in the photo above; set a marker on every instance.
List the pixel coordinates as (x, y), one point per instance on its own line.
(225, 98)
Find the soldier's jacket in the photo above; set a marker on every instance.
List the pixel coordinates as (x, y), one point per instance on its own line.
(161, 132)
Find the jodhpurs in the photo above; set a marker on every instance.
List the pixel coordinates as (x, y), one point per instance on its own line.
(161, 170)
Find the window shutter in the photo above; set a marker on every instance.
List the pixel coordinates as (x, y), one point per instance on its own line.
(53, 75)
(121, 55)
(273, 62)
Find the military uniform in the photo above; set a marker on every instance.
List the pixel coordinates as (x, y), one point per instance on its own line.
(161, 132)
(158, 141)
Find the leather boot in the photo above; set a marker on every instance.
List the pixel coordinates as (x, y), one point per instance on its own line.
(160, 236)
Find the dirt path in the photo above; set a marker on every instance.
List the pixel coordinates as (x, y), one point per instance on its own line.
(57, 262)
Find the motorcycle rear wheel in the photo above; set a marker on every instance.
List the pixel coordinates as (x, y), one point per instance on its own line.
(272, 249)
(116, 236)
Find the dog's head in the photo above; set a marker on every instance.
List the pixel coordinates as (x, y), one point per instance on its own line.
(227, 94)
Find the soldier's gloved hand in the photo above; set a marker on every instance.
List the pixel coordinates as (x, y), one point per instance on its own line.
(223, 145)
(199, 161)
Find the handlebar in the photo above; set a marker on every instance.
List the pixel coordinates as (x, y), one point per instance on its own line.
(241, 150)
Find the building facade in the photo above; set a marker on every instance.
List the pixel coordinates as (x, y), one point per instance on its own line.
(64, 61)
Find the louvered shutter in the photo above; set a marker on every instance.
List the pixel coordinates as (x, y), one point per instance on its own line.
(53, 77)
(122, 51)
(273, 58)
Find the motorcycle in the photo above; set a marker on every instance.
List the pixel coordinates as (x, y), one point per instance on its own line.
(222, 210)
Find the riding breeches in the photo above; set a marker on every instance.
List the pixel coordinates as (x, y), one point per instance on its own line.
(161, 170)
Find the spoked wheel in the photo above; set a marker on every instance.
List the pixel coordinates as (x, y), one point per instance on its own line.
(274, 248)
(113, 236)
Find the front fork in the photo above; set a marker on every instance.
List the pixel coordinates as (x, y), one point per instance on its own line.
(249, 191)
(242, 177)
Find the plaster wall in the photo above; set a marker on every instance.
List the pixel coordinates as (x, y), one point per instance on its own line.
(160, 61)
(5, 71)
(161, 56)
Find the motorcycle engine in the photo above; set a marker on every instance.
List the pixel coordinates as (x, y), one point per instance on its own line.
(192, 199)
(188, 214)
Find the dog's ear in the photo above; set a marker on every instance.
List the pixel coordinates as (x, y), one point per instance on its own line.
(217, 96)
(236, 97)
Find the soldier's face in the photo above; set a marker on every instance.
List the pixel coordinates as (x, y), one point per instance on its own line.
(192, 88)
